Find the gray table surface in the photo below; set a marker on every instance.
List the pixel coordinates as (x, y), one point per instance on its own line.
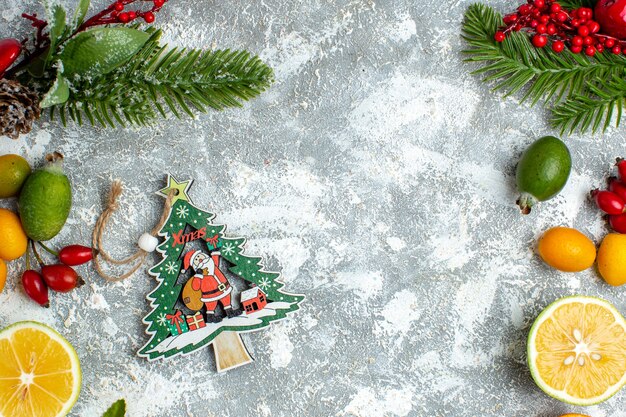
(378, 175)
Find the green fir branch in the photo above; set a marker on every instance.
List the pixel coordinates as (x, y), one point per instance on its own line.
(595, 113)
(516, 65)
(160, 80)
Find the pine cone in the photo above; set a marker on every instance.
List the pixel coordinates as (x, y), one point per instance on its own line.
(19, 107)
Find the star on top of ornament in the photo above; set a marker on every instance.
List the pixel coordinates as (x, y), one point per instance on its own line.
(173, 184)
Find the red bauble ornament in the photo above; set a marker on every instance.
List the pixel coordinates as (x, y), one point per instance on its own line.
(10, 49)
(611, 15)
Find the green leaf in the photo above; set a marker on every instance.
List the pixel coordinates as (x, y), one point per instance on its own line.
(80, 13)
(58, 93)
(57, 25)
(99, 51)
(37, 68)
(118, 409)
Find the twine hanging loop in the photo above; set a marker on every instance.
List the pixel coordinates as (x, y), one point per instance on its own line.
(137, 259)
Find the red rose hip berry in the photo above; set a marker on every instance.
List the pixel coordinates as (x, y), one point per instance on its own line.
(35, 287)
(61, 278)
(608, 202)
(618, 223)
(617, 187)
(73, 255)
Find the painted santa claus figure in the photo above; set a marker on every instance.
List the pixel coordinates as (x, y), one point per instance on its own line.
(211, 282)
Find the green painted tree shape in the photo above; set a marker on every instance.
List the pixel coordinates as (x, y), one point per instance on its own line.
(164, 298)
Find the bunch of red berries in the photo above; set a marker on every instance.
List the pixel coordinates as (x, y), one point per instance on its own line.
(59, 277)
(117, 13)
(613, 200)
(546, 20)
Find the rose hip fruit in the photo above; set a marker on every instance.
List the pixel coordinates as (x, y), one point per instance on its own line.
(618, 223)
(35, 287)
(75, 255)
(61, 278)
(608, 202)
(617, 187)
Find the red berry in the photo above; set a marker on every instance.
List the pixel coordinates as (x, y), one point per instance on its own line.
(499, 36)
(600, 48)
(524, 9)
(576, 49)
(616, 50)
(544, 19)
(551, 29)
(558, 46)
(159, 3)
(594, 27)
(542, 28)
(588, 40)
(132, 15)
(73, 255)
(618, 223)
(611, 15)
(119, 6)
(561, 16)
(555, 8)
(10, 50)
(583, 30)
(590, 51)
(540, 41)
(608, 202)
(149, 18)
(609, 43)
(577, 41)
(61, 278)
(510, 18)
(620, 163)
(534, 24)
(123, 17)
(575, 23)
(540, 4)
(35, 287)
(585, 13)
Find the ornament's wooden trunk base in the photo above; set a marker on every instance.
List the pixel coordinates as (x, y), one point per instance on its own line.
(230, 352)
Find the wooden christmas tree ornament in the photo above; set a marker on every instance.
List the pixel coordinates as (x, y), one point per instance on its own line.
(207, 294)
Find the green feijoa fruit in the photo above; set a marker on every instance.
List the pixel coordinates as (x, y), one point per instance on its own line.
(542, 172)
(13, 172)
(45, 200)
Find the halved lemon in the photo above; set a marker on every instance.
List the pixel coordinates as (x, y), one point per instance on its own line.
(39, 372)
(577, 350)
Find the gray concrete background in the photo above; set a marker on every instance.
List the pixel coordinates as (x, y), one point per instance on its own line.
(378, 176)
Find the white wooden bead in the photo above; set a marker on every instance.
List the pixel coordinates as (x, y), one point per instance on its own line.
(148, 243)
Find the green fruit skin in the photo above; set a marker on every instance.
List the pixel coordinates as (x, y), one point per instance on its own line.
(13, 172)
(544, 168)
(45, 203)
